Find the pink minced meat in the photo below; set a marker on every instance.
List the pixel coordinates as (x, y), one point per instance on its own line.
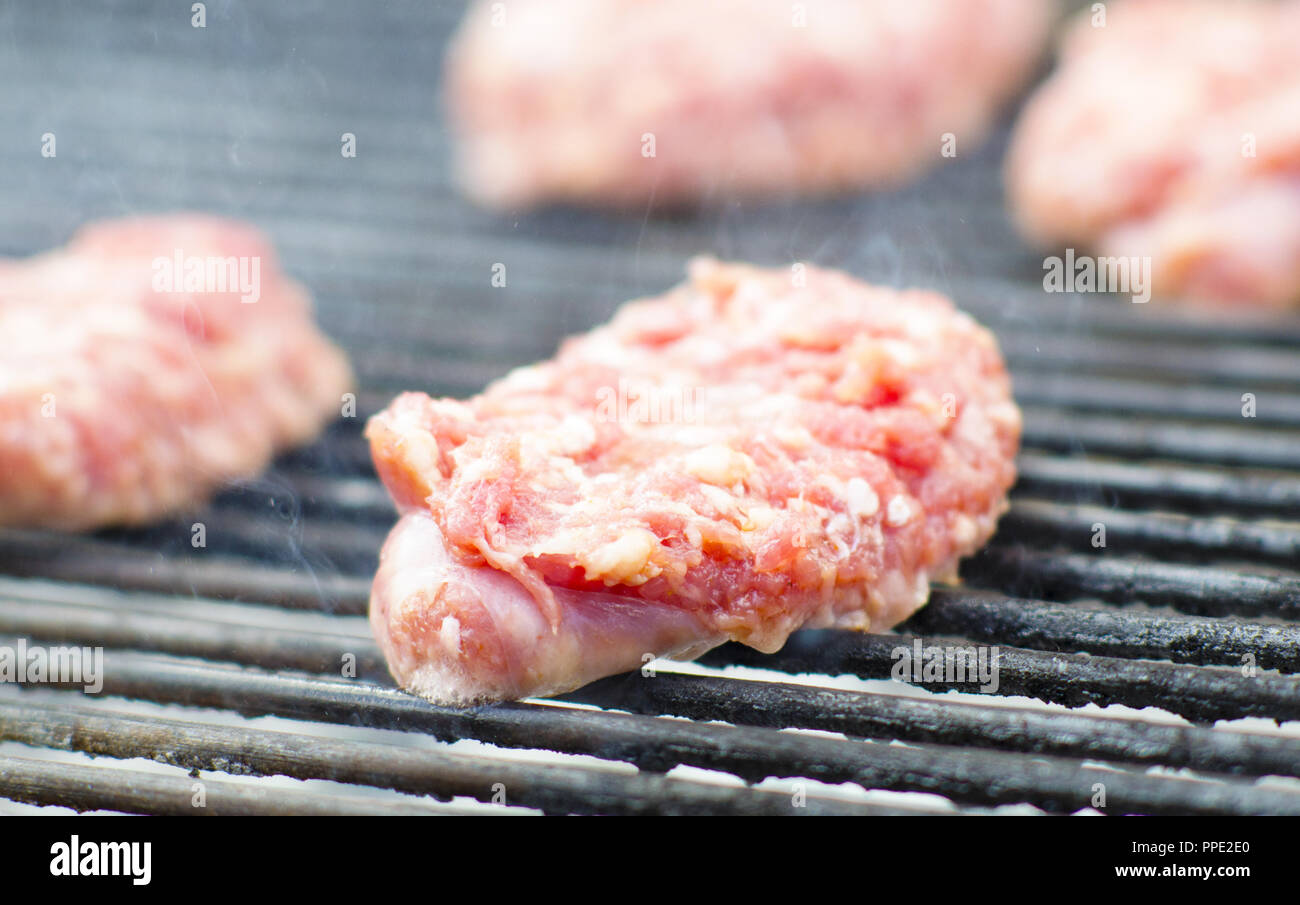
(122, 401)
(1173, 132)
(552, 100)
(756, 451)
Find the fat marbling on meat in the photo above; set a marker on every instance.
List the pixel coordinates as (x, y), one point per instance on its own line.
(756, 451)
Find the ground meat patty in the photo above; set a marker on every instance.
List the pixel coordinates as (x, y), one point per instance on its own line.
(756, 451)
(1173, 132)
(124, 397)
(555, 99)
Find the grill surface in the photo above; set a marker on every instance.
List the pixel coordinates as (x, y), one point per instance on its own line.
(230, 660)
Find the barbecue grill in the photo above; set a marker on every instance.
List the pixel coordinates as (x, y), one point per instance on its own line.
(1160, 668)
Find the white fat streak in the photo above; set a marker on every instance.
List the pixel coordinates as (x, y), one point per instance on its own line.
(899, 511)
(862, 500)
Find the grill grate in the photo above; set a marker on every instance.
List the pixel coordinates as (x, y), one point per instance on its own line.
(227, 660)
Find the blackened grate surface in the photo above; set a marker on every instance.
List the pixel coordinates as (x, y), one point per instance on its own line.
(1121, 666)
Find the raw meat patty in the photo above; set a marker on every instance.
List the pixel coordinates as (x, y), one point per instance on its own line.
(553, 99)
(737, 459)
(121, 401)
(1139, 145)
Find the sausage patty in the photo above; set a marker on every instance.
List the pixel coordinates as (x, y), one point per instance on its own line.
(146, 363)
(1172, 132)
(672, 101)
(756, 451)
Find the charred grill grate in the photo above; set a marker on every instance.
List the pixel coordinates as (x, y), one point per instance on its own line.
(227, 659)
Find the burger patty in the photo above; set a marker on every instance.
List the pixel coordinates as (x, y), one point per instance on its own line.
(756, 451)
(1172, 132)
(670, 101)
(148, 362)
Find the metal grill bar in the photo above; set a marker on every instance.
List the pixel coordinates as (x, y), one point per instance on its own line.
(419, 771)
(1246, 446)
(86, 788)
(946, 722)
(660, 745)
(1187, 489)
(196, 630)
(1200, 590)
(1253, 366)
(990, 778)
(96, 561)
(1005, 303)
(1200, 693)
(1116, 396)
(1068, 627)
(1166, 533)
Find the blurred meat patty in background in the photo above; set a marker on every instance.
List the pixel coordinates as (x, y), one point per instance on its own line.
(631, 101)
(1171, 131)
(147, 363)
